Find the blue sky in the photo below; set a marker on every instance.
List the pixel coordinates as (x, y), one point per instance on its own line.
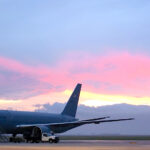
(43, 31)
(47, 46)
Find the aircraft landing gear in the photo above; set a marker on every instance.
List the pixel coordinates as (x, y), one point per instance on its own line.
(15, 139)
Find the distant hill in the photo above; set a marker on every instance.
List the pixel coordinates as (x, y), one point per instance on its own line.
(139, 126)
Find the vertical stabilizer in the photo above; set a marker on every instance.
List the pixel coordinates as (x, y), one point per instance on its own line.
(71, 106)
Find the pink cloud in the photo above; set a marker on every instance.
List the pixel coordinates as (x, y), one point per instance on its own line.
(118, 73)
(121, 73)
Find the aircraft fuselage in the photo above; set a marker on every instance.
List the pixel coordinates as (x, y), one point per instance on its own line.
(10, 119)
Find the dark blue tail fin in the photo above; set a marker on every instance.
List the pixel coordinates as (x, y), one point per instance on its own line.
(71, 106)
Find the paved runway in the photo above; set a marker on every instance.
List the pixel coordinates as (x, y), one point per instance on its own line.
(82, 145)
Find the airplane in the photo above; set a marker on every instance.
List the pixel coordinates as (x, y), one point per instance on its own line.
(33, 125)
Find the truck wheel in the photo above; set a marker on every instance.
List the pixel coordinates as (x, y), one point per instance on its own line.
(56, 140)
(50, 141)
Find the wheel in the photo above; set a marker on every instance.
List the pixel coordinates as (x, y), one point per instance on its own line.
(37, 141)
(19, 141)
(27, 141)
(10, 139)
(56, 140)
(32, 141)
(50, 141)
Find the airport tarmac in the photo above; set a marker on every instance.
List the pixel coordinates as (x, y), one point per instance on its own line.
(79, 145)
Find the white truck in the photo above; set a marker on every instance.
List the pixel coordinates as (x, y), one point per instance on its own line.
(49, 138)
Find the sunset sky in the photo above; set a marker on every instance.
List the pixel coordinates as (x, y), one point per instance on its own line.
(48, 46)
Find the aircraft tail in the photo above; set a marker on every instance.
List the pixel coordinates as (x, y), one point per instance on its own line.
(71, 106)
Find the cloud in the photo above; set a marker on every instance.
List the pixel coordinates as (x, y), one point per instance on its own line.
(135, 127)
(19, 81)
(116, 73)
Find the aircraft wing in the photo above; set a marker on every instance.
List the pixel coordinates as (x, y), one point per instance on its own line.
(68, 125)
(57, 127)
(96, 119)
(90, 121)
